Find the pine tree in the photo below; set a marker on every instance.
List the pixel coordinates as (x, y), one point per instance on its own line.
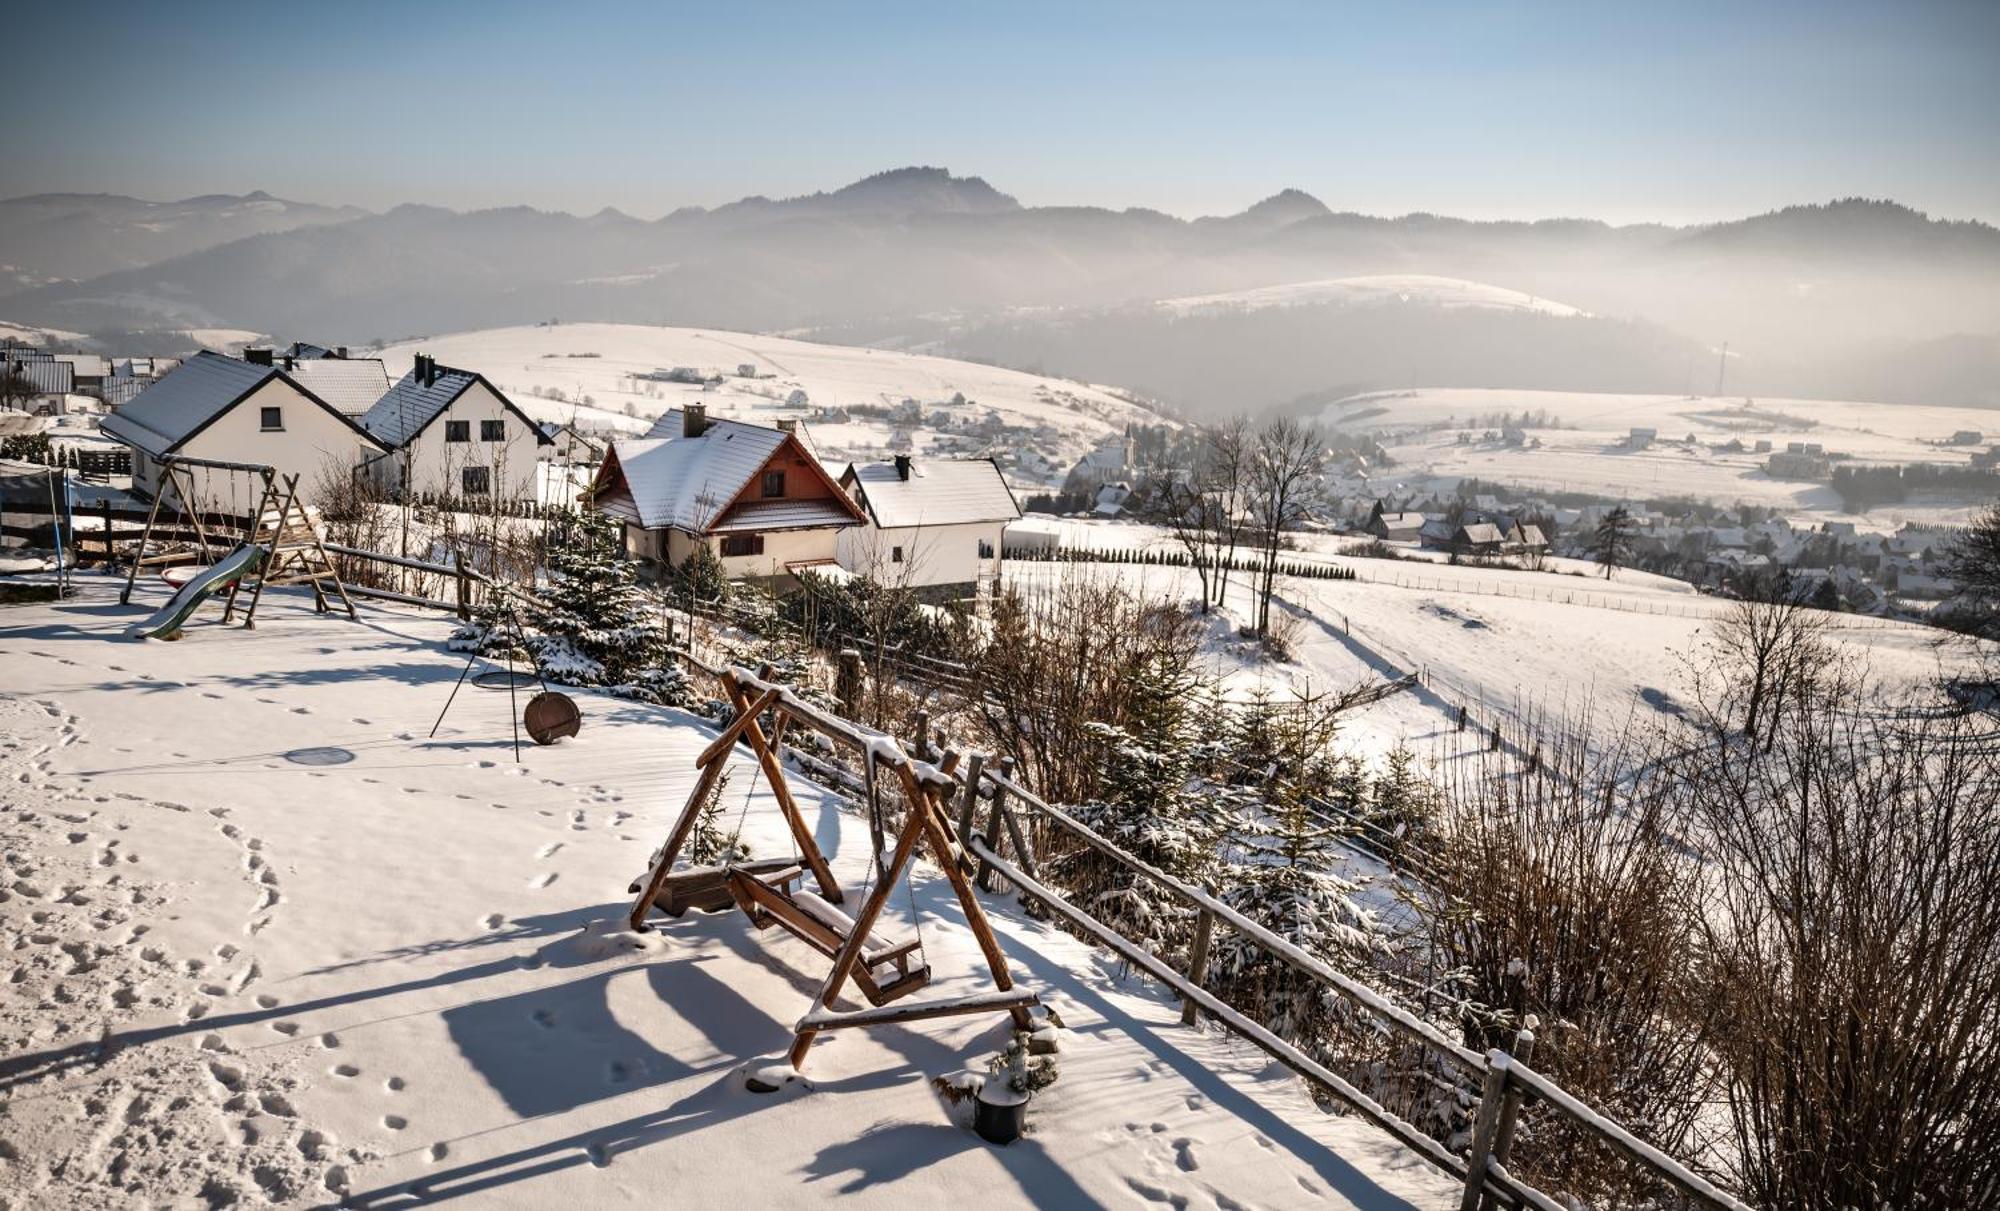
(709, 844)
(596, 626)
(1611, 542)
(1287, 882)
(1151, 804)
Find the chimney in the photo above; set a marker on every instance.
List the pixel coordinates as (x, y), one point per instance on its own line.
(288, 361)
(425, 369)
(903, 467)
(694, 420)
(788, 425)
(257, 356)
(341, 353)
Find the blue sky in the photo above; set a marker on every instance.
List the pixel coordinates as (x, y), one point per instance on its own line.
(1671, 111)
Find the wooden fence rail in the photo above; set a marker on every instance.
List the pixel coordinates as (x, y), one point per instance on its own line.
(1505, 1078)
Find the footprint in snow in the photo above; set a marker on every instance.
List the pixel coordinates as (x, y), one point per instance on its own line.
(542, 880)
(549, 850)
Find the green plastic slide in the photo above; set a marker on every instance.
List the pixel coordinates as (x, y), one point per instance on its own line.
(240, 562)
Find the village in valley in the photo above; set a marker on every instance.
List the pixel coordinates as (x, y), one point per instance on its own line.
(892, 695)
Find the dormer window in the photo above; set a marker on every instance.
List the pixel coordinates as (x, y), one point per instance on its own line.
(774, 483)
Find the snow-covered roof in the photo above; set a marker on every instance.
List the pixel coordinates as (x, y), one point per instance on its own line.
(939, 492)
(418, 398)
(414, 402)
(349, 384)
(45, 374)
(683, 483)
(184, 401)
(1403, 521)
(87, 365)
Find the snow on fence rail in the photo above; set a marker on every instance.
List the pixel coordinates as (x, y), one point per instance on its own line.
(1506, 1077)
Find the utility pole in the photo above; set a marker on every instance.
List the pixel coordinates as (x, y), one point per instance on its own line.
(1721, 369)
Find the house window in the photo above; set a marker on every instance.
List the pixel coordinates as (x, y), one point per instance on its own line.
(475, 481)
(895, 554)
(774, 483)
(458, 430)
(743, 544)
(985, 548)
(271, 420)
(492, 431)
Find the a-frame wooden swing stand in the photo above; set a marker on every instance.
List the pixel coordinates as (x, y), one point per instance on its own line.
(884, 969)
(293, 552)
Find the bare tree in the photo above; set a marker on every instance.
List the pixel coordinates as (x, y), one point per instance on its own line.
(1287, 457)
(1851, 949)
(1775, 651)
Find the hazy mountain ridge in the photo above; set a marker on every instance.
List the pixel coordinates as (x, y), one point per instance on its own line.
(917, 256)
(56, 236)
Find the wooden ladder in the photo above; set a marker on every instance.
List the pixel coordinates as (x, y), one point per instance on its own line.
(293, 552)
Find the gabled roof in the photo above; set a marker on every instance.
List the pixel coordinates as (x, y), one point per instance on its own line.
(1482, 532)
(409, 407)
(191, 396)
(940, 492)
(685, 483)
(46, 375)
(1402, 521)
(349, 384)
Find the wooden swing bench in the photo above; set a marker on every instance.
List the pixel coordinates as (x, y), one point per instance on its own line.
(884, 967)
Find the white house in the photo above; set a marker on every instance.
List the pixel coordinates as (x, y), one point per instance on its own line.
(936, 525)
(756, 497)
(450, 433)
(219, 408)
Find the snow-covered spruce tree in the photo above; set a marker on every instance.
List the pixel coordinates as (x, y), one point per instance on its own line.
(1286, 877)
(1152, 804)
(712, 843)
(596, 626)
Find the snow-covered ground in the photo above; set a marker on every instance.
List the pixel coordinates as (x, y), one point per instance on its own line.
(269, 941)
(1423, 289)
(600, 360)
(1508, 644)
(1583, 449)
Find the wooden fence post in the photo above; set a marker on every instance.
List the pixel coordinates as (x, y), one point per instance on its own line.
(1510, 1107)
(109, 558)
(985, 877)
(1484, 1129)
(464, 589)
(923, 738)
(968, 809)
(847, 683)
(1204, 934)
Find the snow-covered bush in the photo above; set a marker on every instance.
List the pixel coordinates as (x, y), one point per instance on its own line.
(593, 625)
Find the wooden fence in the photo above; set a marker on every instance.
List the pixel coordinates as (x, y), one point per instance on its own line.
(1006, 845)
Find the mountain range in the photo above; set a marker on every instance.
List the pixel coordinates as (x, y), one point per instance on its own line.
(1818, 298)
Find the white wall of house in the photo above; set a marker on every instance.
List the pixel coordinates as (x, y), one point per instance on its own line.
(310, 440)
(931, 555)
(780, 548)
(437, 465)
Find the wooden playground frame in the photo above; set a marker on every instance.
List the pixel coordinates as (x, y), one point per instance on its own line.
(293, 551)
(883, 970)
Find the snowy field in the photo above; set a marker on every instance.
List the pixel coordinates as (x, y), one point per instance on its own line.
(1586, 452)
(1423, 289)
(269, 943)
(529, 363)
(1508, 644)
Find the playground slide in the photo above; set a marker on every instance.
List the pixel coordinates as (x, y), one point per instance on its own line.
(170, 619)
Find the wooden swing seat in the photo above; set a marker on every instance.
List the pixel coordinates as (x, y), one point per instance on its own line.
(883, 972)
(705, 887)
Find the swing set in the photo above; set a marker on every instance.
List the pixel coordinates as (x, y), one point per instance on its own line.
(884, 967)
(275, 521)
